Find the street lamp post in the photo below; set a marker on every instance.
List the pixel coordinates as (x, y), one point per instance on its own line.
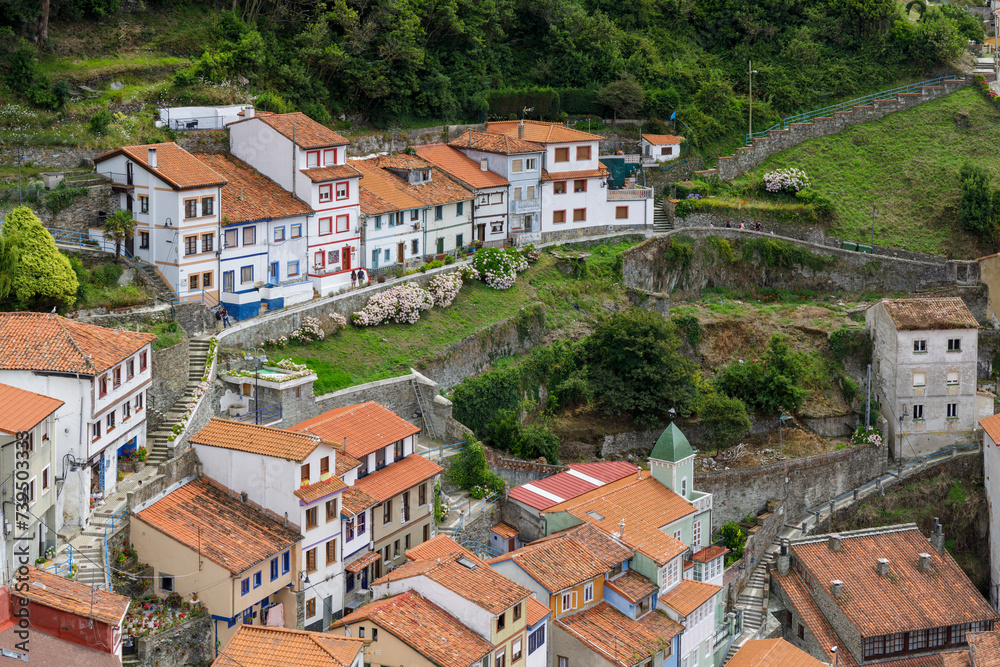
(751, 71)
(256, 355)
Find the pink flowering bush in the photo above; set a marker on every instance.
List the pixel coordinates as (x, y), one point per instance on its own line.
(444, 289)
(309, 331)
(337, 322)
(401, 304)
(499, 268)
(867, 436)
(786, 180)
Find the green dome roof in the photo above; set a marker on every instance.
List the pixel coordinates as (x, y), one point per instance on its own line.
(672, 446)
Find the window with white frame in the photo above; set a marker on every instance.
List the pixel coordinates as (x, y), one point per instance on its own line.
(952, 377)
(920, 345)
(588, 593)
(673, 573)
(952, 410)
(568, 601)
(343, 190)
(696, 540)
(531, 164)
(954, 344)
(918, 411)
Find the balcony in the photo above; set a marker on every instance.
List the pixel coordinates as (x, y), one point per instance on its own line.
(520, 206)
(630, 194)
(120, 182)
(702, 501)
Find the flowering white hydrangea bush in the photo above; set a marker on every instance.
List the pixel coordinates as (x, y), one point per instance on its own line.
(444, 289)
(309, 331)
(290, 365)
(337, 322)
(499, 268)
(786, 180)
(401, 304)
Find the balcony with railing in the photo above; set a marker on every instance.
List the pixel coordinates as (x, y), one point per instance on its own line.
(630, 194)
(520, 206)
(120, 182)
(702, 501)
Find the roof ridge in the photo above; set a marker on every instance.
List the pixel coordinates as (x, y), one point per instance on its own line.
(860, 532)
(76, 346)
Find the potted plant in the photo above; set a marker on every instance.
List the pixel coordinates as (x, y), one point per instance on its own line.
(140, 458)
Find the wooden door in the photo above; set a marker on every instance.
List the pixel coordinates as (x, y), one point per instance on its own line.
(401, 253)
(345, 258)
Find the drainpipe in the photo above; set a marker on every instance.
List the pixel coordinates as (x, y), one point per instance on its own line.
(293, 160)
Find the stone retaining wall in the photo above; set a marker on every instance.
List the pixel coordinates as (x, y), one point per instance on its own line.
(759, 538)
(184, 466)
(78, 216)
(190, 643)
(746, 158)
(397, 141)
(53, 157)
(170, 376)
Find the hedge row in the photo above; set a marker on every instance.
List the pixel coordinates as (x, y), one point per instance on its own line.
(551, 103)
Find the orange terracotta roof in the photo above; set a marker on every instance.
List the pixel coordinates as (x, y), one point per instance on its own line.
(909, 598)
(397, 477)
(23, 410)
(438, 546)
(354, 501)
(987, 647)
(505, 530)
(709, 553)
(461, 167)
(308, 133)
(618, 638)
(234, 535)
(49, 342)
(262, 646)
(424, 627)
(813, 618)
(534, 611)
(331, 173)
(568, 558)
(345, 462)
(363, 562)
(922, 314)
(250, 195)
(367, 427)
(466, 576)
(992, 427)
(632, 586)
(566, 175)
(494, 142)
(321, 489)
(772, 653)
(402, 194)
(644, 504)
(57, 592)
(541, 132)
(687, 596)
(262, 440)
(663, 139)
(174, 165)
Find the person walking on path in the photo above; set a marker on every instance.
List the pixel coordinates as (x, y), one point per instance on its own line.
(225, 318)
(354, 279)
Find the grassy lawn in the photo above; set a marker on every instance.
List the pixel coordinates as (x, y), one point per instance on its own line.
(358, 355)
(907, 166)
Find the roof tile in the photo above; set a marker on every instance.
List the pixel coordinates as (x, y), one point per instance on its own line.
(234, 535)
(22, 410)
(262, 646)
(535, 611)
(632, 586)
(174, 165)
(425, 627)
(438, 546)
(460, 167)
(687, 596)
(250, 195)
(541, 132)
(307, 132)
(354, 501)
(321, 489)
(331, 173)
(922, 314)
(367, 427)
(256, 439)
(51, 590)
(494, 142)
(663, 139)
(600, 172)
(618, 638)
(772, 653)
(50, 342)
(397, 477)
(401, 194)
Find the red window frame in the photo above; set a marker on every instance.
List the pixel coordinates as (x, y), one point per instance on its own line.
(329, 156)
(328, 223)
(319, 260)
(583, 152)
(558, 214)
(577, 183)
(343, 223)
(142, 361)
(103, 386)
(583, 218)
(310, 155)
(559, 187)
(347, 190)
(326, 192)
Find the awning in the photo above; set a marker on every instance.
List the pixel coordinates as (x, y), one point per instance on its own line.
(362, 562)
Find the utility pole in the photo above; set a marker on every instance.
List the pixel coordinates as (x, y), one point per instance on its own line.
(874, 214)
(751, 72)
(868, 400)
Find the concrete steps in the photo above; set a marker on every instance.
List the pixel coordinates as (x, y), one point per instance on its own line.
(160, 445)
(751, 602)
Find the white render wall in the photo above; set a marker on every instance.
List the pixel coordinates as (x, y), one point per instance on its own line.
(266, 150)
(991, 471)
(450, 224)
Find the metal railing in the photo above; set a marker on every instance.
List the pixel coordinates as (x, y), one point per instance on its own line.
(109, 525)
(866, 100)
(197, 123)
(629, 194)
(269, 414)
(116, 178)
(439, 452)
(480, 549)
(65, 566)
(519, 206)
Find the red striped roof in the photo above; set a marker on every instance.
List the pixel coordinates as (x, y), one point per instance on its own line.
(578, 480)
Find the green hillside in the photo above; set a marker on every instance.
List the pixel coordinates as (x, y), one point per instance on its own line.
(906, 165)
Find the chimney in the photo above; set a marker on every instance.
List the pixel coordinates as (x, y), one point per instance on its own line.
(837, 588)
(243, 496)
(783, 559)
(882, 567)
(152, 157)
(937, 537)
(248, 112)
(833, 541)
(520, 130)
(484, 164)
(925, 561)
(621, 528)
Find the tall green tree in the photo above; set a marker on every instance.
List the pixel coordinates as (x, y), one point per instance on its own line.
(624, 96)
(978, 204)
(10, 260)
(635, 367)
(118, 228)
(725, 418)
(44, 277)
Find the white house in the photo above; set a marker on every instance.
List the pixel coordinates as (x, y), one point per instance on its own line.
(660, 147)
(102, 376)
(27, 421)
(309, 160)
(174, 197)
(392, 230)
(201, 118)
(291, 475)
(575, 194)
(263, 249)
(491, 190)
(991, 472)
(518, 161)
(924, 364)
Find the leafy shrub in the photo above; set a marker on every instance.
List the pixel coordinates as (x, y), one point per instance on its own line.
(99, 122)
(106, 275)
(866, 436)
(469, 469)
(823, 206)
(779, 254)
(847, 342)
(767, 386)
(849, 388)
(690, 327)
(725, 418)
(735, 539)
(497, 267)
(62, 197)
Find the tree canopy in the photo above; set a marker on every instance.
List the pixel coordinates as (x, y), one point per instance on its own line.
(44, 278)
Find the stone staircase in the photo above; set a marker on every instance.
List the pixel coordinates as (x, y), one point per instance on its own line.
(159, 444)
(662, 222)
(751, 602)
(160, 287)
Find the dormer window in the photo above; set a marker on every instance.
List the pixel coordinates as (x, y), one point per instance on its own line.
(312, 159)
(330, 156)
(425, 175)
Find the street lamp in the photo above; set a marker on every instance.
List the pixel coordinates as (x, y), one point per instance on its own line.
(874, 215)
(256, 355)
(903, 416)
(752, 71)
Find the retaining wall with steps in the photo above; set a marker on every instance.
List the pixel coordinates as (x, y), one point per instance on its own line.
(160, 446)
(748, 157)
